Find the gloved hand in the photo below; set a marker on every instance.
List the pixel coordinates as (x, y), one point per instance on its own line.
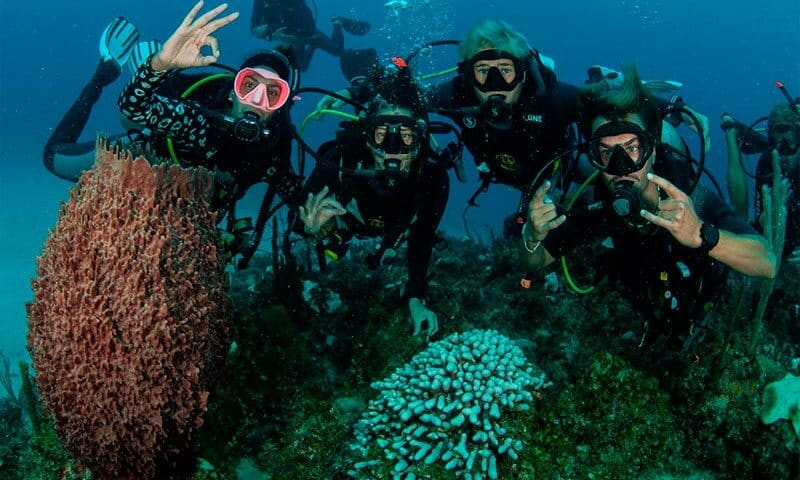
(421, 315)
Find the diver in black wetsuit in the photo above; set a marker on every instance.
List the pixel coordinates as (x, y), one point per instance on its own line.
(292, 22)
(378, 179)
(670, 245)
(513, 111)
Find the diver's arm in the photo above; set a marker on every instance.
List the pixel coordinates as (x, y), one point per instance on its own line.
(542, 219)
(679, 214)
(140, 103)
(737, 182)
(745, 253)
(430, 208)
(537, 260)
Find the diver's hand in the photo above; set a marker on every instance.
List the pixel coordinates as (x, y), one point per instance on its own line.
(182, 49)
(421, 315)
(542, 215)
(794, 257)
(676, 214)
(318, 210)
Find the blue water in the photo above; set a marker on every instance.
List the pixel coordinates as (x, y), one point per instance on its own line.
(727, 54)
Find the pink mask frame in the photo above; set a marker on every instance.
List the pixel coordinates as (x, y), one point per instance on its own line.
(258, 97)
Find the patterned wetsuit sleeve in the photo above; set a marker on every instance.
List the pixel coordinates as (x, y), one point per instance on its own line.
(423, 231)
(140, 103)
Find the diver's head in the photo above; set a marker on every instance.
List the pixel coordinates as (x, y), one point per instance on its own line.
(262, 85)
(623, 127)
(784, 130)
(394, 136)
(494, 61)
(395, 126)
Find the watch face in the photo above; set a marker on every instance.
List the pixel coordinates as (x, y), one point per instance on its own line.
(709, 234)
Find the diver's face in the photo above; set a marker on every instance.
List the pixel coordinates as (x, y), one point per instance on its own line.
(482, 69)
(630, 144)
(273, 92)
(407, 137)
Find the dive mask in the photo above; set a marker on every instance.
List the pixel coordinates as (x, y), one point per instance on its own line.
(620, 159)
(395, 134)
(260, 88)
(495, 78)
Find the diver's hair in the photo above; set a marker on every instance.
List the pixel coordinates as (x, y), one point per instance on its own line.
(392, 86)
(632, 97)
(781, 114)
(491, 34)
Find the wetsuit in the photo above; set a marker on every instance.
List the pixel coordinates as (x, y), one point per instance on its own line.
(374, 211)
(294, 17)
(200, 139)
(538, 128)
(669, 282)
(764, 176)
(64, 156)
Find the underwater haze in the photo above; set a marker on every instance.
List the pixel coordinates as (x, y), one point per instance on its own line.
(728, 56)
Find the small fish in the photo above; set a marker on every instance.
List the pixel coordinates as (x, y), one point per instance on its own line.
(399, 62)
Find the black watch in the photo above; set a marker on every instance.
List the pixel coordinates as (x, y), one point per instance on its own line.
(709, 237)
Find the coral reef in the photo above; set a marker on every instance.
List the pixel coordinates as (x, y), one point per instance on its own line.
(127, 329)
(446, 405)
(781, 400)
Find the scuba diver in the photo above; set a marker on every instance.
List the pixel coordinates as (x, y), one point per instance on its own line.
(243, 134)
(513, 112)
(670, 242)
(64, 156)
(381, 179)
(782, 140)
(292, 22)
(783, 133)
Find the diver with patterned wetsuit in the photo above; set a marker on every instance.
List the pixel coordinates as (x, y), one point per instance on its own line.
(378, 180)
(246, 139)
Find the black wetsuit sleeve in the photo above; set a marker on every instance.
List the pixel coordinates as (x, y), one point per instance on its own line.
(711, 208)
(281, 176)
(431, 206)
(566, 101)
(579, 230)
(182, 121)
